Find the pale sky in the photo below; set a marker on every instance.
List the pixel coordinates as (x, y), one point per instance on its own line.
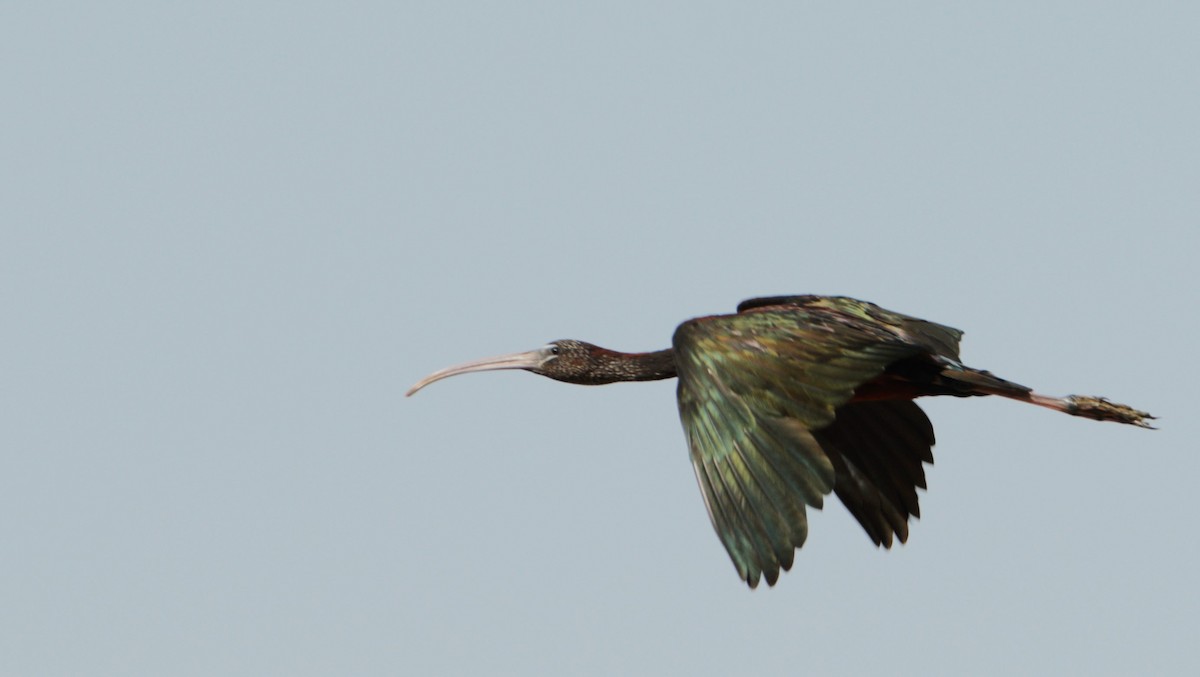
(235, 233)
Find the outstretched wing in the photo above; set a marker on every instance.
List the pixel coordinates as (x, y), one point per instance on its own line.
(753, 388)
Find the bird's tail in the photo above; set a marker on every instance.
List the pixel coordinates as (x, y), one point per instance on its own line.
(1097, 408)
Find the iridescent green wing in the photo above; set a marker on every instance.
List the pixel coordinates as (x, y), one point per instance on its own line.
(935, 338)
(752, 388)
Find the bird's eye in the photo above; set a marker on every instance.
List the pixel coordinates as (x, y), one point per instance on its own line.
(553, 350)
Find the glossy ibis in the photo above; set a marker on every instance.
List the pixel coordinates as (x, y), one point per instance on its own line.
(793, 397)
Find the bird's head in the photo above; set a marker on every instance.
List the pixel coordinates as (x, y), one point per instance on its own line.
(565, 360)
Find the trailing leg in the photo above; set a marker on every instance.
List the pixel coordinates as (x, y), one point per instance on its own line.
(1097, 408)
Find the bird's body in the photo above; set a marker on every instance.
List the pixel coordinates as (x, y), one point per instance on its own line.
(794, 397)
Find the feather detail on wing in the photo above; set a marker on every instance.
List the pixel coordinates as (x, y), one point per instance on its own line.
(935, 338)
(753, 389)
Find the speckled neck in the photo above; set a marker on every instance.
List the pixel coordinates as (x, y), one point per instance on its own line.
(612, 366)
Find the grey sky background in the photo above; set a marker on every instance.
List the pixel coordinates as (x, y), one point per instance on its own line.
(233, 234)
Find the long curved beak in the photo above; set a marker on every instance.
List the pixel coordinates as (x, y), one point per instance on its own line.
(526, 360)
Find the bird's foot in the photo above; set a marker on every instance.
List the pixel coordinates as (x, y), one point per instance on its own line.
(1101, 409)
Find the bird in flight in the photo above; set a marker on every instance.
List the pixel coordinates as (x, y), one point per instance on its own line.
(794, 397)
